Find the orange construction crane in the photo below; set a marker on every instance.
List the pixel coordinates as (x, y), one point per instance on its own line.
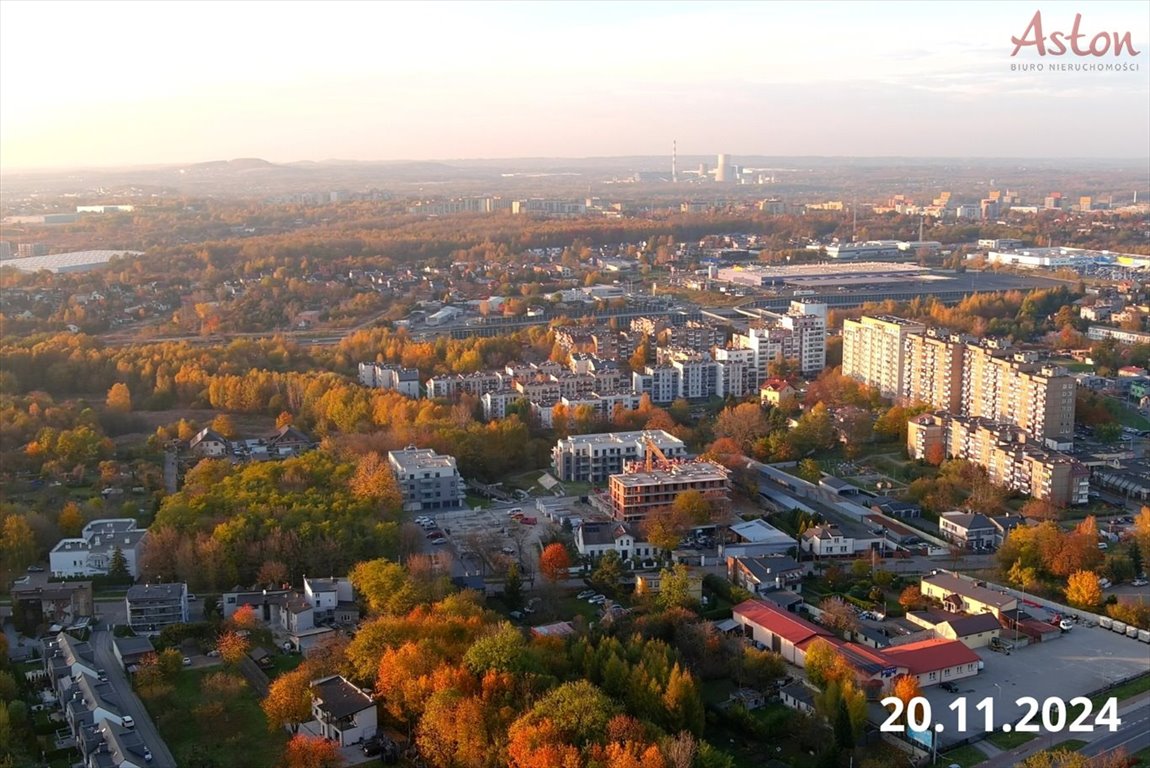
(653, 449)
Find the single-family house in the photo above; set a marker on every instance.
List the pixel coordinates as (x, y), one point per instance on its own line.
(964, 596)
(826, 541)
(345, 713)
(596, 538)
(763, 574)
(968, 530)
(207, 443)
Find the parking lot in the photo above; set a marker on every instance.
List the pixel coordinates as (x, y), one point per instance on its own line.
(1076, 664)
(493, 535)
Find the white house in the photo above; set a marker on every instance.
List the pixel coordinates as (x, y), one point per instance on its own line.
(92, 553)
(826, 541)
(345, 713)
(593, 539)
(973, 531)
(209, 443)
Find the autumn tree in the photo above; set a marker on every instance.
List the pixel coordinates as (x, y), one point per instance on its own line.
(224, 425)
(554, 562)
(17, 545)
(810, 470)
(374, 480)
(119, 398)
(838, 616)
(608, 571)
(1083, 590)
(684, 703)
(692, 506)
(245, 618)
(288, 702)
(1040, 509)
(273, 573)
(384, 586)
(233, 647)
(70, 520)
(912, 599)
(745, 424)
(312, 752)
(905, 689)
(502, 650)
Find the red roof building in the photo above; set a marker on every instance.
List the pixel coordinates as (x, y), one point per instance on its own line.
(935, 661)
(777, 630)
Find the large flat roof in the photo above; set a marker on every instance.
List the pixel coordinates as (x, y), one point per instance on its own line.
(73, 261)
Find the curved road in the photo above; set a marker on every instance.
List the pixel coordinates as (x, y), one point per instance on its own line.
(101, 642)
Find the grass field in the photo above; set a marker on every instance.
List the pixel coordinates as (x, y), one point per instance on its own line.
(1142, 759)
(1008, 741)
(1124, 691)
(966, 756)
(199, 729)
(1126, 415)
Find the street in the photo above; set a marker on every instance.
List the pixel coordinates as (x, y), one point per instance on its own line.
(101, 642)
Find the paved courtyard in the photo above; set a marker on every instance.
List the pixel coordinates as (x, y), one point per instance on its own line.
(1076, 664)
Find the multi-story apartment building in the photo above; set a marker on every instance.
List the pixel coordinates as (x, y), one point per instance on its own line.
(1005, 451)
(427, 479)
(799, 335)
(698, 377)
(382, 376)
(661, 382)
(151, 607)
(737, 371)
(933, 370)
(594, 458)
(92, 553)
(874, 351)
(1014, 389)
(636, 495)
(695, 335)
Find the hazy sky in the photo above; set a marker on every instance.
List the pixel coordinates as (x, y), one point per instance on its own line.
(113, 83)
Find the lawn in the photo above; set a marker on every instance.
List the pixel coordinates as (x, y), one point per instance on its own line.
(966, 756)
(1142, 759)
(1126, 690)
(1127, 416)
(230, 732)
(1070, 745)
(1009, 741)
(284, 662)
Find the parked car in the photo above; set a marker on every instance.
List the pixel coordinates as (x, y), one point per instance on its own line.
(35, 569)
(948, 687)
(1066, 625)
(192, 598)
(128, 722)
(187, 661)
(585, 594)
(439, 541)
(1139, 583)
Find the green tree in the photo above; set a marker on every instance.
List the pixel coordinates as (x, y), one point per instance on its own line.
(810, 470)
(118, 566)
(608, 570)
(503, 650)
(513, 587)
(675, 588)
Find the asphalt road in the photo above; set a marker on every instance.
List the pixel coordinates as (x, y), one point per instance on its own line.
(1133, 735)
(101, 642)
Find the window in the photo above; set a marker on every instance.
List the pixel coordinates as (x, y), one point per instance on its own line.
(933, 675)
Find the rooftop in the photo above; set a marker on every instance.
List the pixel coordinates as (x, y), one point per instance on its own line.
(695, 471)
(760, 531)
(785, 625)
(141, 592)
(956, 585)
(931, 655)
(338, 697)
(415, 459)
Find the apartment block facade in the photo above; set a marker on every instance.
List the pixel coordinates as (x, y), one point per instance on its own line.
(594, 458)
(874, 351)
(636, 495)
(1005, 451)
(427, 479)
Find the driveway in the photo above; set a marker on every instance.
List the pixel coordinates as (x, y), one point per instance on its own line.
(101, 642)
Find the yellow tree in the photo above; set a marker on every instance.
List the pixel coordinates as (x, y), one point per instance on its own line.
(232, 647)
(288, 702)
(119, 398)
(1083, 590)
(70, 520)
(905, 688)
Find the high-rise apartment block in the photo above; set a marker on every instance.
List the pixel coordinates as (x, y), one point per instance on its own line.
(874, 351)
(800, 335)
(950, 372)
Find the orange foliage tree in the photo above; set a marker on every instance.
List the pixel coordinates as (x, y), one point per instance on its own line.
(554, 562)
(312, 752)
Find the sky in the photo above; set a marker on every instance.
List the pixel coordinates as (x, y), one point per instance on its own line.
(129, 83)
